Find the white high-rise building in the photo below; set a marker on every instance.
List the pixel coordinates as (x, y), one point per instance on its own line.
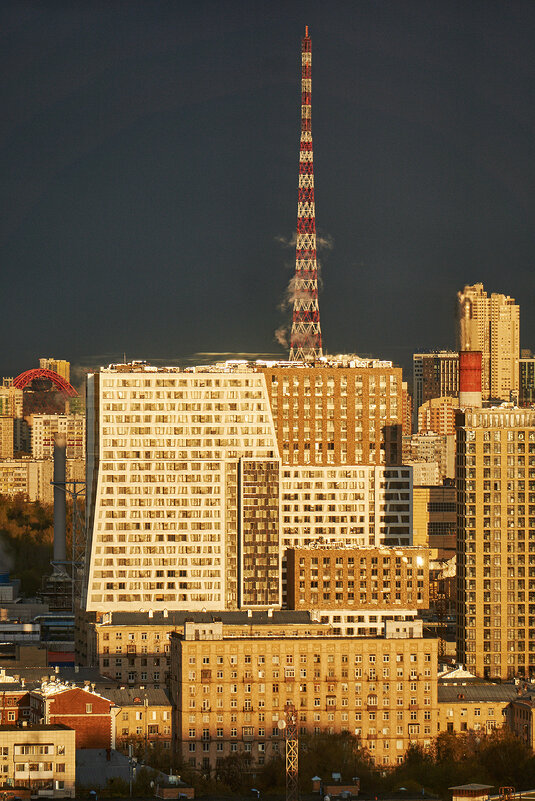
(163, 465)
(188, 506)
(350, 505)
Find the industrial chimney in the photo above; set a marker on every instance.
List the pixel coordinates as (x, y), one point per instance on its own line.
(60, 503)
(470, 378)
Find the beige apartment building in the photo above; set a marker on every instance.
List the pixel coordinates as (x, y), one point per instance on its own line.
(10, 399)
(495, 541)
(59, 366)
(31, 478)
(434, 448)
(521, 717)
(41, 758)
(231, 688)
(492, 325)
(473, 706)
(437, 415)
(45, 426)
(141, 716)
(132, 648)
(6, 437)
(349, 411)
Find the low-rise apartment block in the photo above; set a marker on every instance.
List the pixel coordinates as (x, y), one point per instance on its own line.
(31, 478)
(40, 758)
(84, 711)
(473, 706)
(142, 716)
(520, 716)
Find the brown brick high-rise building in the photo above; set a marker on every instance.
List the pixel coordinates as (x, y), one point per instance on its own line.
(357, 578)
(435, 375)
(337, 414)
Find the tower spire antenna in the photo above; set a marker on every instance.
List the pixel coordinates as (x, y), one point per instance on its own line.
(305, 338)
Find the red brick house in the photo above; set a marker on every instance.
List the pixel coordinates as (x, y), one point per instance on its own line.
(14, 703)
(88, 713)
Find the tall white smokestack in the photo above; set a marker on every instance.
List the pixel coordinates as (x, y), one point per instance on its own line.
(60, 502)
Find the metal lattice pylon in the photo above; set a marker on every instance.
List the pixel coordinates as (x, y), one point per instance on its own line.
(305, 338)
(74, 566)
(292, 755)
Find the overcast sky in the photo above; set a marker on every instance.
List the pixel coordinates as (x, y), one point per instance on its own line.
(149, 158)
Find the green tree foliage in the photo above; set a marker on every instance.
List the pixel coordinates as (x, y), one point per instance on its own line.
(235, 772)
(154, 755)
(26, 541)
(324, 754)
(272, 777)
(116, 787)
(498, 759)
(142, 784)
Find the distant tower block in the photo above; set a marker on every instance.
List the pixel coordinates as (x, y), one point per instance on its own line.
(470, 378)
(305, 339)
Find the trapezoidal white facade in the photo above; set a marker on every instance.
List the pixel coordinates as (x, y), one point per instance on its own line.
(163, 470)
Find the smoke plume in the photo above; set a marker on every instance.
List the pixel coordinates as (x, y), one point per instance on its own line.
(324, 242)
(281, 336)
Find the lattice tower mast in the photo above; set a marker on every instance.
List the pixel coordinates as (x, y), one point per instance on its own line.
(305, 339)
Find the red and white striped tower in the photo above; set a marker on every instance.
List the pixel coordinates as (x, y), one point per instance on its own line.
(305, 338)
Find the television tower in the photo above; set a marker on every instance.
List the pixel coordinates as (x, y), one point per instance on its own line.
(305, 338)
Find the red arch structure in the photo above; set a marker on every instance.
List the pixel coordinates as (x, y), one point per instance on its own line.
(27, 377)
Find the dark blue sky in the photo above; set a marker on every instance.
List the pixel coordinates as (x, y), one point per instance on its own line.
(149, 154)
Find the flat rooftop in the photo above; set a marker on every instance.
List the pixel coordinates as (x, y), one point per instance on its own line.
(475, 693)
(347, 360)
(36, 727)
(279, 617)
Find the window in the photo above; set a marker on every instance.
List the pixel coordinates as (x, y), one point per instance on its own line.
(88, 708)
(60, 767)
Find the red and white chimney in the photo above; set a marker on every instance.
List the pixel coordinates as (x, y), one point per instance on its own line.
(470, 378)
